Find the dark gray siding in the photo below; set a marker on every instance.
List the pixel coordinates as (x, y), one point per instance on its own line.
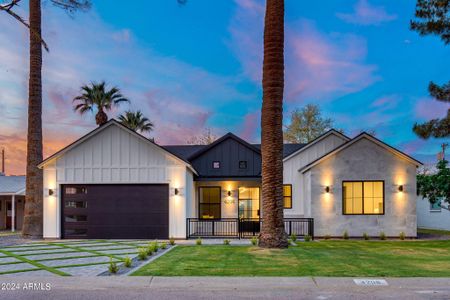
(228, 152)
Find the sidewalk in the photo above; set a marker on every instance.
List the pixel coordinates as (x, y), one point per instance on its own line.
(224, 288)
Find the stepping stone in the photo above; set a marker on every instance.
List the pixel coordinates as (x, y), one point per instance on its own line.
(36, 273)
(85, 270)
(76, 261)
(25, 249)
(120, 251)
(61, 250)
(57, 255)
(14, 267)
(8, 259)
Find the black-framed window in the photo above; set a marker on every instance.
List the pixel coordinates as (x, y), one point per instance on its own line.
(216, 164)
(76, 204)
(74, 190)
(363, 197)
(287, 195)
(209, 202)
(75, 218)
(249, 202)
(242, 164)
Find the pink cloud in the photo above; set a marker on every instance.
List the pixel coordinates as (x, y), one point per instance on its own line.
(318, 65)
(250, 126)
(429, 108)
(386, 102)
(367, 14)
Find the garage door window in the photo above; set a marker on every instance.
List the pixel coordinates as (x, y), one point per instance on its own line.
(74, 219)
(76, 204)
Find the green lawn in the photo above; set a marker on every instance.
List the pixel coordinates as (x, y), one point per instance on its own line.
(433, 231)
(325, 258)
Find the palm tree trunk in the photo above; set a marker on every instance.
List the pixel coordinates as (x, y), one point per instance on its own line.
(101, 118)
(272, 232)
(32, 223)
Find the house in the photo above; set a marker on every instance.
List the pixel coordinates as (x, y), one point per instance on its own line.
(115, 183)
(12, 202)
(433, 216)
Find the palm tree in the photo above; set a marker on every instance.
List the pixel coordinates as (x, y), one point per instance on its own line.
(136, 121)
(272, 233)
(96, 96)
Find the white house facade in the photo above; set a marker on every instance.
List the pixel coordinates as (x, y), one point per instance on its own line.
(115, 183)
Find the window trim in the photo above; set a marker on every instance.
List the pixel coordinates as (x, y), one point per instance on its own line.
(220, 201)
(291, 196)
(362, 181)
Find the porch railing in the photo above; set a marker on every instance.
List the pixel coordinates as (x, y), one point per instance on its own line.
(243, 228)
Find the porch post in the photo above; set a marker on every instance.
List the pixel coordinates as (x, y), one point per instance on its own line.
(13, 213)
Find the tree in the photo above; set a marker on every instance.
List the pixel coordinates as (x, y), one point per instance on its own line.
(272, 233)
(435, 186)
(306, 124)
(205, 138)
(433, 17)
(136, 121)
(96, 96)
(33, 211)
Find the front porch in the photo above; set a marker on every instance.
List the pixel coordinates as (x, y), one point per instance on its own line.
(243, 227)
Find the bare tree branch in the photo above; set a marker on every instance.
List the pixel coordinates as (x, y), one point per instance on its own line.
(8, 9)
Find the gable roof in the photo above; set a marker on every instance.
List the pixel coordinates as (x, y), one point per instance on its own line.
(227, 136)
(12, 185)
(99, 129)
(316, 140)
(363, 135)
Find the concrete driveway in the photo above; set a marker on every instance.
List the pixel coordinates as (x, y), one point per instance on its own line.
(65, 257)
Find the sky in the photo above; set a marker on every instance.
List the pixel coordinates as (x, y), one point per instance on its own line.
(199, 65)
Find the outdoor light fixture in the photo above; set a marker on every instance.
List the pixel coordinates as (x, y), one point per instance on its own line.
(176, 191)
(51, 192)
(327, 189)
(400, 188)
(229, 193)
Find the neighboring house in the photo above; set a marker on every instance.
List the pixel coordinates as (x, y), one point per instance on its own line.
(115, 183)
(432, 216)
(12, 201)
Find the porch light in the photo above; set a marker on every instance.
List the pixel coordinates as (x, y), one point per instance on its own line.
(229, 193)
(400, 188)
(51, 192)
(327, 189)
(176, 191)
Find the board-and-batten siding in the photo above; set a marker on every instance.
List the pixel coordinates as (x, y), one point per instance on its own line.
(115, 156)
(291, 175)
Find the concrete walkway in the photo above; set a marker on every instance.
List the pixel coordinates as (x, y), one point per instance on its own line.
(221, 288)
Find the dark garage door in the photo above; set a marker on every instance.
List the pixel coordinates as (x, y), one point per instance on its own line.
(101, 211)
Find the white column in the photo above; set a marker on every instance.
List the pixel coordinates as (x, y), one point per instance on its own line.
(13, 213)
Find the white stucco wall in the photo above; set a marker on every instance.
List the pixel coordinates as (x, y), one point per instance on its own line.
(300, 207)
(116, 156)
(431, 219)
(364, 160)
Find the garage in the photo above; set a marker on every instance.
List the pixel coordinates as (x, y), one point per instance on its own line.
(119, 211)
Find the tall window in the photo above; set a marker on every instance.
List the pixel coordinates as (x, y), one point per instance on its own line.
(287, 195)
(248, 202)
(209, 203)
(363, 197)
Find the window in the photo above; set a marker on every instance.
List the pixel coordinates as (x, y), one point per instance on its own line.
(248, 201)
(75, 190)
(242, 164)
(209, 202)
(435, 206)
(363, 197)
(71, 218)
(76, 231)
(216, 164)
(76, 204)
(287, 195)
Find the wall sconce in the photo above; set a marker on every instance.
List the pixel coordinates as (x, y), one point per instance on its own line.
(51, 192)
(176, 191)
(327, 189)
(400, 188)
(229, 193)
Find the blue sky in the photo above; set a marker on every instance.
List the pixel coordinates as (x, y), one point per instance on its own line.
(198, 65)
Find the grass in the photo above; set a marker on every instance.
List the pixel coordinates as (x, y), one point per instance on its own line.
(433, 231)
(326, 258)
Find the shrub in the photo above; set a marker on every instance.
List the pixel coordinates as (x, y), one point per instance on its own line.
(152, 247)
(127, 262)
(113, 268)
(226, 242)
(289, 241)
(198, 242)
(293, 238)
(149, 250)
(307, 238)
(163, 245)
(345, 235)
(142, 253)
(402, 235)
(366, 236)
(382, 236)
(172, 241)
(254, 241)
(327, 237)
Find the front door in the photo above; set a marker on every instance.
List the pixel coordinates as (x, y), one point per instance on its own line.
(249, 211)
(8, 214)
